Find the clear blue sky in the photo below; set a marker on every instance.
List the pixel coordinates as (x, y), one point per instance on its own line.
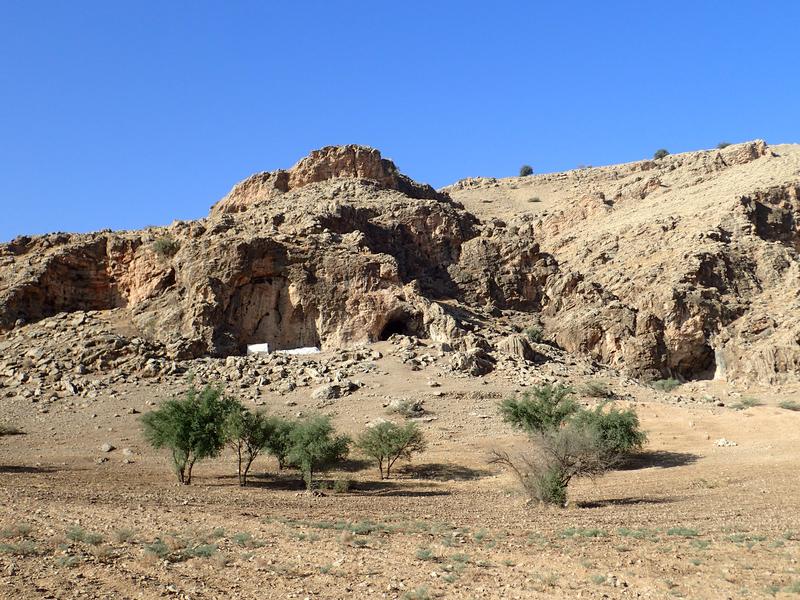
(123, 114)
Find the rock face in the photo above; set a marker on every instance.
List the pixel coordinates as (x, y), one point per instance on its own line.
(686, 266)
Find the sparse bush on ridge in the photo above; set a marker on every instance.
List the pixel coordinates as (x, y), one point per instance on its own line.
(722, 145)
(525, 170)
(385, 442)
(790, 405)
(747, 402)
(660, 153)
(166, 246)
(534, 333)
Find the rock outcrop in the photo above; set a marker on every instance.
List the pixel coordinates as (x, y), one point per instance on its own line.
(686, 266)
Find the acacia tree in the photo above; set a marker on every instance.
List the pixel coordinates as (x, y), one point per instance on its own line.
(248, 433)
(568, 440)
(540, 409)
(279, 443)
(315, 446)
(191, 427)
(385, 442)
(559, 456)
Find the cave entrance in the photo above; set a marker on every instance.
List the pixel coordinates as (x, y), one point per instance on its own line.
(700, 366)
(401, 323)
(398, 326)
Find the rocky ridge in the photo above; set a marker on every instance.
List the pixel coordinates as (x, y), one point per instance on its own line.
(342, 250)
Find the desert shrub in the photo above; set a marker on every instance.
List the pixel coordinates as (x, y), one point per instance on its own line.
(9, 430)
(280, 442)
(534, 333)
(686, 532)
(790, 405)
(569, 441)
(342, 485)
(16, 530)
(79, 534)
(660, 153)
(386, 442)
(525, 170)
(420, 593)
(23, 548)
(541, 409)
(191, 427)
(559, 456)
(166, 246)
(596, 389)
(424, 554)
(315, 446)
(747, 402)
(722, 145)
(547, 485)
(248, 433)
(665, 385)
(124, 535)
(618, 431)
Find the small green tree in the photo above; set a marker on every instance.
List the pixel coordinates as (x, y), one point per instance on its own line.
(722, 145)
(525, 170)
(541, 409)
(279, 443)
(385, 442)
(191, 427)
(248, 433)
(660, 153)
(315, 446)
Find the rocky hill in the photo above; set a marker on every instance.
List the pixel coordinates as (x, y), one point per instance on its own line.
(686, 266)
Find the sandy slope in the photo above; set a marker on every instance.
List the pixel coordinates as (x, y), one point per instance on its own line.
(687, 519)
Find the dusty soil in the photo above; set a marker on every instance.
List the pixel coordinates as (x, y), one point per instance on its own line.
(687, 518)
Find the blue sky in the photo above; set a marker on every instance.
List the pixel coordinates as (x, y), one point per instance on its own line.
(125, 114)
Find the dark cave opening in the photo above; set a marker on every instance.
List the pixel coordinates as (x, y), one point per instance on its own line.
(397, 325)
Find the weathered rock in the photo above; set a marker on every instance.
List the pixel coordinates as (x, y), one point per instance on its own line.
(473, 362)
(519, 346)
(635, 266)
